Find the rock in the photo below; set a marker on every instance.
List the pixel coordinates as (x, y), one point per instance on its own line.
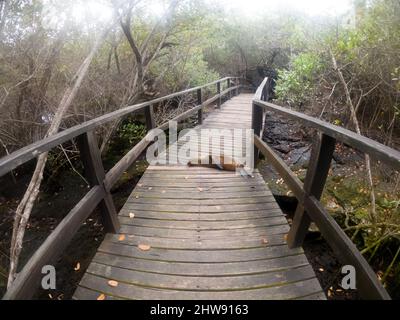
(300, 157)
(284, 148)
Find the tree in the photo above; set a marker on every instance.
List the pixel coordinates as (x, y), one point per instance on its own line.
(24, 208)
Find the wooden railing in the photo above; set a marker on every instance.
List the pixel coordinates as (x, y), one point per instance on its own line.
(308, 194)
(28, 280)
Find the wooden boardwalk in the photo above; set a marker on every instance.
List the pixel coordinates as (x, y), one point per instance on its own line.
(209, 234)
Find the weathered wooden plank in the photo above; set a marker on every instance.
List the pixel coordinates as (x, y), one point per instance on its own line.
(201, 209)
(127, 291)
(203, 202)
(262, 232)
(204, 225)
(196, 195)
(195, 244)
(82, 293)
(199, 256)
(192, 216)
(205, 283)
(202, 269)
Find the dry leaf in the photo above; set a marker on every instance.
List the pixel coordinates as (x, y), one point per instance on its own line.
(186, 178)
(121, 237)
(131, 215)
(140, 185)
(200, 189)
(137, 197)
(150, 188)
(163, 191)
(218, 207)
(264, 241)
(144, 247)
(101, 297)
(113, 283)
(77, 267)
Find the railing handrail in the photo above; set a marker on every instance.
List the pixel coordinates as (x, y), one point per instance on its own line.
(23, 155)
(101, 183)
(362, 143)
(309, 193)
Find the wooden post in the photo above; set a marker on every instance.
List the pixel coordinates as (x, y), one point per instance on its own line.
(256, 125)
(149, 115)
(219, 92)
(199, 102)
(317, 172)
(228, 82)
(237, 82)
(94, 172)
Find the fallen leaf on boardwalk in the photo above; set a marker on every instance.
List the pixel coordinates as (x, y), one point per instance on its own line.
(150, 188)
(285, 237)
(121, 237)
(144, 247)
(101, 297)
(77, 267)
(137, 197)
(131, 215)
(200, 189)
(218, 207)
(163, 191)
(186, 178)
(140, 185)
(113, 283)
(264, 241)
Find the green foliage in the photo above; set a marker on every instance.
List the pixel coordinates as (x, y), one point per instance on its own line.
(130, 133)
(296, 85)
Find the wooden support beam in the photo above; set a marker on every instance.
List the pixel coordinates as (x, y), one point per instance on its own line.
(219, 101)
(257, 124)
(228, 81)
(318, 169)
(149, 115)
(199, 102)
(94, 171)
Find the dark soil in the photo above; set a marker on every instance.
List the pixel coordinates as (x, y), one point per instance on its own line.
(55, 201)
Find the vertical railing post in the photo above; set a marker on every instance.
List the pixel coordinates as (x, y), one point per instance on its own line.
(199, 102)
(317, 173)
(238, 82)
(256, 125)
(149, 115)
(219, 92)
(94, 172)
(228, 82)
